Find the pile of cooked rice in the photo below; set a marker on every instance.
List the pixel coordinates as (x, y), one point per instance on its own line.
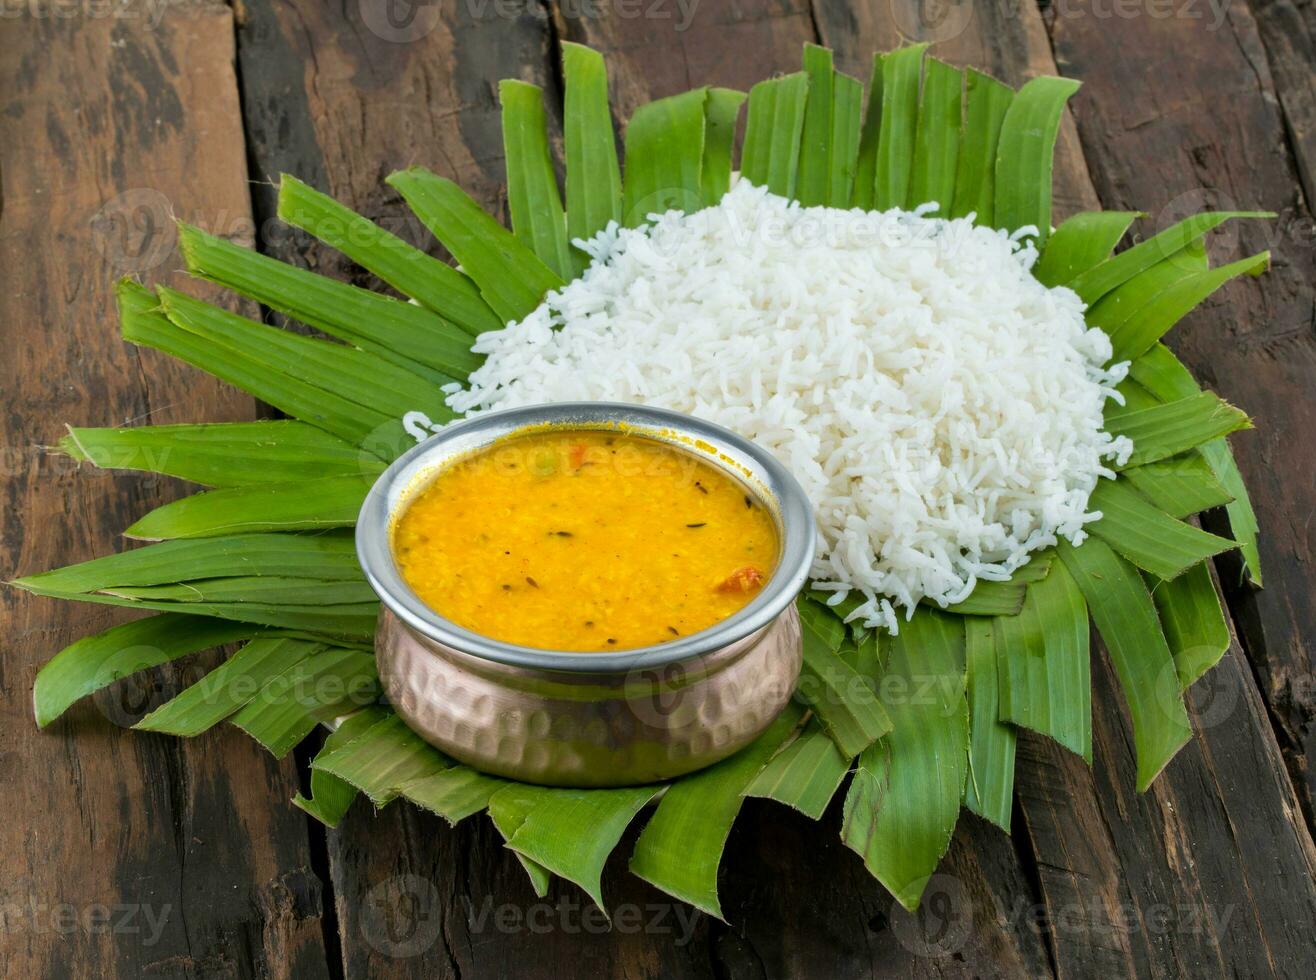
(942, 409)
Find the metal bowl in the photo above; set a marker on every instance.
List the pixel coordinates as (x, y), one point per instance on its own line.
(589, 719)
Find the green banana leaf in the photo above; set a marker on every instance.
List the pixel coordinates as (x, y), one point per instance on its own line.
(1024, 155)
(433, 284)
(532, 194)
(904, 799)
(804, 775)
(1043, 664)
(986, 102)
(330, 796)
(223, 454)
(665, 157)
(1127, 621)
(989, 786)
(95, 662)
(774, 125)
(228, 687)
(937, 137)
(593, 174)
(306, 505)
(681, 846)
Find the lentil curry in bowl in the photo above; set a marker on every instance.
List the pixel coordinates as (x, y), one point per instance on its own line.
(584, 540)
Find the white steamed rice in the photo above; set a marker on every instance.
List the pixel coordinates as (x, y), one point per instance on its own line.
(942, 409)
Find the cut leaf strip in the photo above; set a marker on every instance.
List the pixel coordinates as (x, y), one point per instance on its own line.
(97, 661)
(1043, 664)
(387, 756)
(1082, 242)
(1162, 373)
(223, 454)
(864, 193)
(985, 103)
(721, 112)
(1150, 538)
(1119, 269)
(307, 505)
(905, 796)
(331, 557)
(593, 174)
(371, 383)
(1175, 427)
(813, 186)
(845, 705)
(1139, 332)
(664, 157)
(512, 279)
(228, 687)
(454, 794)
(937, 140)
(1193, 621)
(144, 323)
(549, 835)
(901, 71)
(400, 333)
(508, 809)
(1127, 621)
(771, 154)
(989, 788)
(532, 194)
(680, 848)
(1024, 155)
(805, 774)
(330, 796)
(289, 705)
(1180, 486)
(433, 284)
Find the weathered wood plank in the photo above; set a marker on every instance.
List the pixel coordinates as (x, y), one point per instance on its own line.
(125, 855)
(663, 48)
(1288, 31)
(1253, 343)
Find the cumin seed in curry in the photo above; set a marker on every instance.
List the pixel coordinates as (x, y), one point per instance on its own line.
(585, 540)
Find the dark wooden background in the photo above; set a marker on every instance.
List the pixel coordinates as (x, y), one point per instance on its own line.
(141, 856)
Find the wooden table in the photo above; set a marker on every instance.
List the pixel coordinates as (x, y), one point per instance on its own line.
(141, 856)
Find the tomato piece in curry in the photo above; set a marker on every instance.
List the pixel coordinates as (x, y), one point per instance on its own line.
(585, 540)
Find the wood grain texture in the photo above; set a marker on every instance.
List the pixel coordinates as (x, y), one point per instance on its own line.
(1288, 31)
(134, 855)
(665, 47)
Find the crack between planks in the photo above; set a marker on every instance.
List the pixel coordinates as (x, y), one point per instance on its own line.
(1026, 853)
(1245, 620)
(317, 845)
(814, 24)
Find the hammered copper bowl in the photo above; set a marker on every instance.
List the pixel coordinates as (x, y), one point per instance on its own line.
(589, 719)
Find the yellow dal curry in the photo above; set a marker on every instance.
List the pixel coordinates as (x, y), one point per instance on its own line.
(574, 539)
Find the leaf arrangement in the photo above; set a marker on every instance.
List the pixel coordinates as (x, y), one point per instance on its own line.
(264, 556)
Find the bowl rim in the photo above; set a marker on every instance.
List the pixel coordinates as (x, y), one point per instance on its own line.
(768, 478)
